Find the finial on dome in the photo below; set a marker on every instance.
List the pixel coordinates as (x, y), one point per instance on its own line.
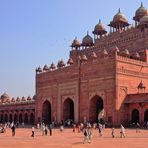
(141, 4)
(87, 33)
(119, 10)
(99, 20)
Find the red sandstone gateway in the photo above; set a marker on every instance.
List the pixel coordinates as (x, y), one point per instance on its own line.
(105, 78)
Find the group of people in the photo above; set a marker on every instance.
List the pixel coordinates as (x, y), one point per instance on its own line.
(44, 128)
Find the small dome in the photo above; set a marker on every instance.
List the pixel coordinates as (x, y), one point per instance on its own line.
(117, 49)
(144, 20)
(136, 55)
(61, 64)
(29, 98)
(99, 28)
(23, 99)
(84, 58)
(126, 52)
(87, 40)
(94, 55)
(141, 11)
(70, 61)
(4, 96)
(13, 100)
(39, 69)
(18, 99)
(104, 52)
(45, 68)
(119, 17)
(75, 43)
(52, 66)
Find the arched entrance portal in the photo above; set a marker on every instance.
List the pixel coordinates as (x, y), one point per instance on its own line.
(146, 116)
(46, 112)
(26, 118)
(15, 118)
(96, 109)
(6, 118)
(10, 118)
(20, 118)
(135, 116)
(32, 118)
(68, 109)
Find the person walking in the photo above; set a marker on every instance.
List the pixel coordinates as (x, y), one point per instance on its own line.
(13, 130)
(137, 127)
(113, 132)
(89, 134)
(33, 130)
(122, 132)
(86, 138)
(46, 130)
(50, 129)
(100, 129)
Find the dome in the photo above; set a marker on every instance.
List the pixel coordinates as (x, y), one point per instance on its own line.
(84, 58)
(13, 100)
(29, 98)
(70, 61)
(87, 40)
(18, 99)
(60, 64)
(4, 96)
(39, 69)
(23, 99)
(141, 11)
(104, 52)
(45, 68)
(99, 28)
(52, 66)
(144, 19)
(117, 49)
(75, 43)
(126, 52)
(94, 55)
(136, 55)
(119, 17)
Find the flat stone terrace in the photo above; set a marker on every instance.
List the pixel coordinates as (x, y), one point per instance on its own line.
(68, 139)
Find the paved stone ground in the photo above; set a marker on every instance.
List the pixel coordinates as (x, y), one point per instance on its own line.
(68, 139)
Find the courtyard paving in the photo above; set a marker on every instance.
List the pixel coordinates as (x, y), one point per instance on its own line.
(68, 139)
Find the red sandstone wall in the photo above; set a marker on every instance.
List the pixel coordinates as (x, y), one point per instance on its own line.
(129, 75)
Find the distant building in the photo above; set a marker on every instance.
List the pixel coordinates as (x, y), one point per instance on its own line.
(17, 110)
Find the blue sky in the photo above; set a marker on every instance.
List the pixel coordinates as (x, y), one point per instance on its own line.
(38, 32)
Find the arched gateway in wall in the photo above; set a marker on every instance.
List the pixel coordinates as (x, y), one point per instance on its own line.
(46, 112)
(95, 109)
(135, 116)
(68, 109)
(146, 116)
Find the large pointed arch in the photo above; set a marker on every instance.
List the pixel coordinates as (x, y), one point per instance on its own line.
(96, 107)
(146, 116)
(15, 118)
(135, 116)
(26, 118)
(32, 118)
(68, 109)
(46, 112)
(10, 118)
(20, 118)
